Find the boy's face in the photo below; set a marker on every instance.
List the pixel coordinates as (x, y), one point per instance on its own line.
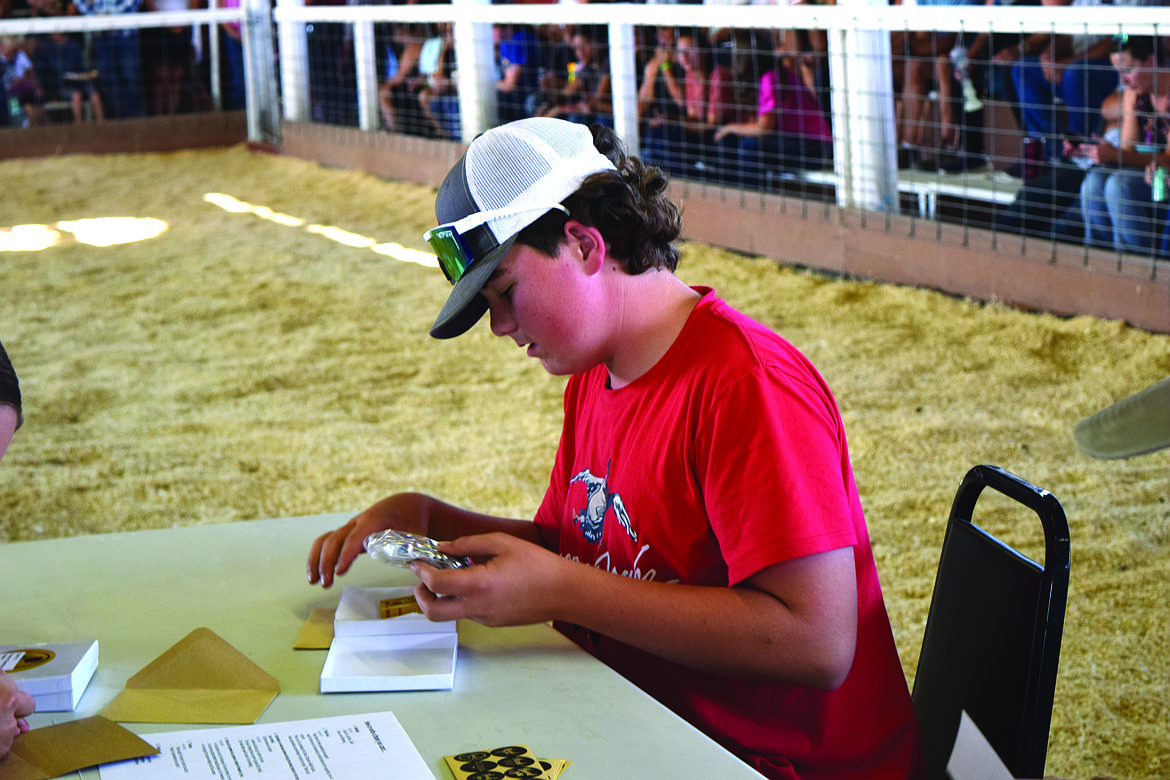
(544, 304)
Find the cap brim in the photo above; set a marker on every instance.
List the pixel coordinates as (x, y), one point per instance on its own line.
(465, 305)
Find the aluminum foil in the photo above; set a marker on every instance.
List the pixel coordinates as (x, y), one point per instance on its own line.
(399, 548)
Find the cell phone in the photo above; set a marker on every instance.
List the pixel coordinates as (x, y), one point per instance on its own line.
(1077, 140)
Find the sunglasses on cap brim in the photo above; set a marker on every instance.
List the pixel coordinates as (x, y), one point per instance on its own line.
(459, 244)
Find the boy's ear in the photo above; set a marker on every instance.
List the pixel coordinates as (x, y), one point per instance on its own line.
(590, 244)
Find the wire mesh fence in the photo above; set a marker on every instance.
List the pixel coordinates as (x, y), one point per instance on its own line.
(1037, 124)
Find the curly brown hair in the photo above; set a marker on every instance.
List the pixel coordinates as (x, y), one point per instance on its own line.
(629, 206)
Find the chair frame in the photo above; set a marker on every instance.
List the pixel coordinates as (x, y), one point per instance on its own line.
(963, 664)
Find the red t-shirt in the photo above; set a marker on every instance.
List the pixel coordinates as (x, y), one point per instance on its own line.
(726, 457)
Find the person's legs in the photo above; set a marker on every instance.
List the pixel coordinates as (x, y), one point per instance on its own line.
(1098, 224)
(129, 73)
(718, 161)
(1128, 198)
(105, 63)
(804, 154)
(1164, 240)
(233, 50)
(751, 163)
(77, 106)
(1043, 204)
(446, 110)
(1036, 108)
(662, 146)
(916, 106)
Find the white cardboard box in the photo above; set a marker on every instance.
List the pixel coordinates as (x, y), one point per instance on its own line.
(405, 653)
(54, 674)
(358, 615)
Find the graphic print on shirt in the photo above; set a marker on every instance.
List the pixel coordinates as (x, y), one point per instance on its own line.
(598, 502)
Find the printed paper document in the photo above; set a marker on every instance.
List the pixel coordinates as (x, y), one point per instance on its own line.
(345, 747)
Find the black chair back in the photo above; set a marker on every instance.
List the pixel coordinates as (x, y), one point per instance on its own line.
(992, 640)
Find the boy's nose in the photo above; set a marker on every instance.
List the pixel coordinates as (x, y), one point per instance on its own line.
(501, 318)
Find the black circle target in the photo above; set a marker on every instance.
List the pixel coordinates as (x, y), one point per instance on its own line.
(513, 750)
(478, 766)
(478, 755)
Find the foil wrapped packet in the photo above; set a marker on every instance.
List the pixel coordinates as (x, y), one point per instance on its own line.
(399, 548)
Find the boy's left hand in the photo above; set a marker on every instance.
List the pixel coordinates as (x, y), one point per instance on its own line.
(513, 582)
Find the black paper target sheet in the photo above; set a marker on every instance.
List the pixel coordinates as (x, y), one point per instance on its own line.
(504, 763)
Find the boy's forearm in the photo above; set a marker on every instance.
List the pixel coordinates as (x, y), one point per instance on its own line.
(445, 521)
(740, 632)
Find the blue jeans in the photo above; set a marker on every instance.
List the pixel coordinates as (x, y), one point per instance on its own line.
(236, 97)
(778, 153)
(1118, 210)
(1083, 89)
(118, 63)
(666, 146)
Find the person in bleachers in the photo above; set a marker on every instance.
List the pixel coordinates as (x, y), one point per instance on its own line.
(518, 57)
(167, 55)
(662, 104)
(116, 57)
(807, 53)
(926, 67)
(1048, 205)
(1065, 76)
(991, 57)
(586, 97)
(60, 65)
(20, 83)
(398, 94)
(912, 51)
(1116, 198)
(556, 52)
(231, 45)
(788, 131)
(709, 102)
(438, 99)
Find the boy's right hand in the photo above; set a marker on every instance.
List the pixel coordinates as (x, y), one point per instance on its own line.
(333, 553)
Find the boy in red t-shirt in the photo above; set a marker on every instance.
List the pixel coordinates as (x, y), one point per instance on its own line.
(701, 532)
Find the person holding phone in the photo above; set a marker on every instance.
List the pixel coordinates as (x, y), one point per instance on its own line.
(1115, 196)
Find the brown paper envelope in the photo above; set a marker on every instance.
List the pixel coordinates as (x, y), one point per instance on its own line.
(52, 751)
(317, 631)
(201, 679)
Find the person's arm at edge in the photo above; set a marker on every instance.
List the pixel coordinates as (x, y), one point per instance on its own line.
(15, 706)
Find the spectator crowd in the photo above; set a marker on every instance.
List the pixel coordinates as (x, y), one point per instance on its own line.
(739, 107)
